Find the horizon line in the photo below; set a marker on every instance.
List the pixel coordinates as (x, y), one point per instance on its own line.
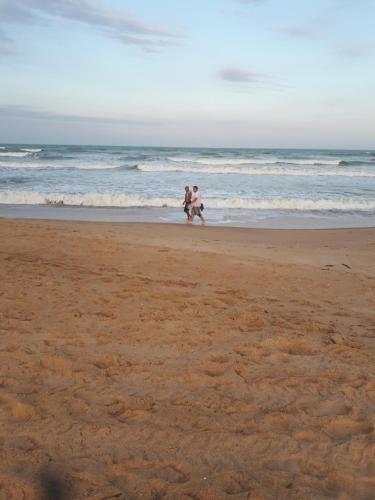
(185, 147)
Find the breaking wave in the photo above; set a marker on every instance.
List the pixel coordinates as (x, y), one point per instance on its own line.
(17, 154)
(22, 153)
(149, 167)
(124, 200)
(46, 164)
(252, 161)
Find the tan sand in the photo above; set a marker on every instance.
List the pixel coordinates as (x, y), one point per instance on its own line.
(156, 361)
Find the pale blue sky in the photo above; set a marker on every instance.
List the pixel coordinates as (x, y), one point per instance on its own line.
(225, 73)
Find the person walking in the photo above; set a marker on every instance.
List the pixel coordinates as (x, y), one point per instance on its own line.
(196, 206)
(187, 203)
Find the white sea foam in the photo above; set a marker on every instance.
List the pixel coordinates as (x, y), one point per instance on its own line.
(153, 167)
(316, 162)
(88, 199)
(32, 150)
(253, 161)
(93, 166)
(17, 154)
(217, 161)
(124, 200)
(182, 158)
(46, 164)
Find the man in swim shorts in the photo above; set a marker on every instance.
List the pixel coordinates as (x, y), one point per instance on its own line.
(187, 203)
(196, 204)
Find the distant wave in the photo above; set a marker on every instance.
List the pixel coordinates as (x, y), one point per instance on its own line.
(92, 166)
(46, 164)
(215, 161)
(251, 161)
(17, 154)
(150, 167)
(124, 200)
(32, 150)
(345, 163)
(14, 180)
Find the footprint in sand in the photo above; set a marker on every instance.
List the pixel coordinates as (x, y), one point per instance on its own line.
(235, 483)
(57, 364)
(219, 358)
(345, 427)
(213, 370)
(324, 408)
(173, 474)
(19, 410)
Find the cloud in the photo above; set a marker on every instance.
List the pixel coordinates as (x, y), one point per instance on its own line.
(354, 51)
(319, 30)
(5, 51)
(300, 32)
(240, 75)
(5, 45)
(117, 24)
(244, 79)
(321, 25)
(10, 111)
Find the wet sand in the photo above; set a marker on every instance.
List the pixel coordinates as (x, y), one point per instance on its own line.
(160, 361)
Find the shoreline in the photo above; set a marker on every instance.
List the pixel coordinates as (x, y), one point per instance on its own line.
(124, 223)
(256, 219)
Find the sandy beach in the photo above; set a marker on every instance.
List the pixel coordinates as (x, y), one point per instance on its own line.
(164, 361)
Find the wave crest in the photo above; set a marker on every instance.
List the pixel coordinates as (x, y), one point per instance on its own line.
(16, 154)
(252, 161)
(46, 164)
(150, 167)
(125, 200)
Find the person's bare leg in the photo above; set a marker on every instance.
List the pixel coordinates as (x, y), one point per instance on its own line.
(203, 221)
(191, 219)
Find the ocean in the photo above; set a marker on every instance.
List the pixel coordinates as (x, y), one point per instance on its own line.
(240, 187)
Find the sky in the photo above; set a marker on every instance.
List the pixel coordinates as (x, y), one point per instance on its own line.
(205, 73)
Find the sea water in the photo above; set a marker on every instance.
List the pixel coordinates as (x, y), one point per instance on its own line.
(248, 187)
